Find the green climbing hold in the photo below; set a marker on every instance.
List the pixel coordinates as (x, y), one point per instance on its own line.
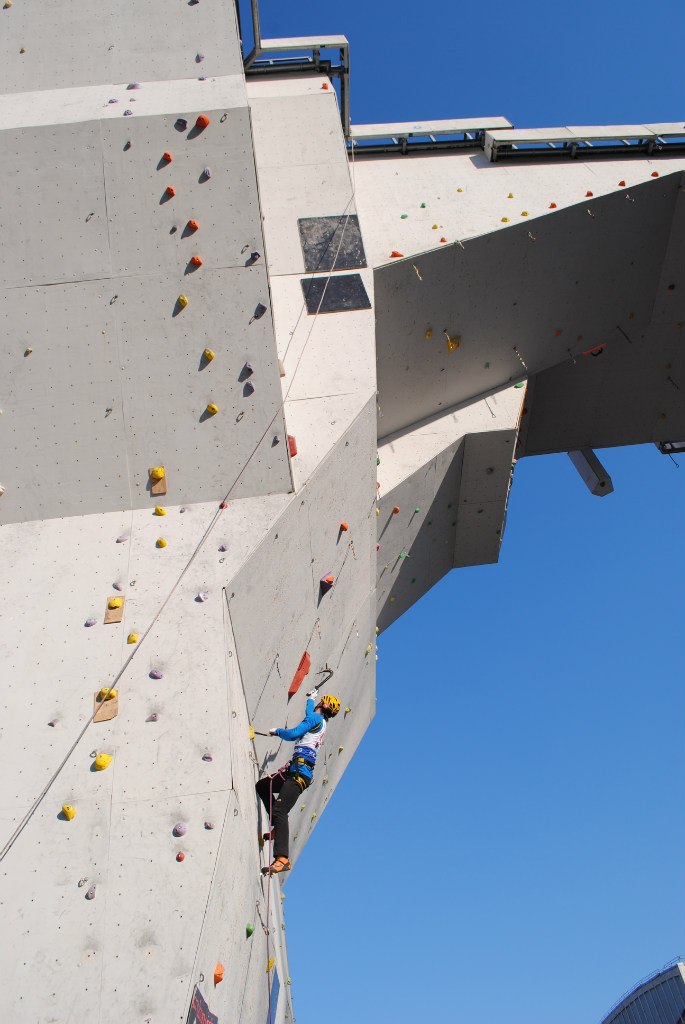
(417, 510)
(423, 206)
(403, 216)
(378, 460)
(520, 384)
(249, 929)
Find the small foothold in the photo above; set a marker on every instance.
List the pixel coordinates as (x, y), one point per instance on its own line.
(260, 310)
(292, 446)
(133, 85)
(22, 49)
(128, 113)
(52, 723)
(417, 510)
(249, 930)
(159, 511)
(423, 206)
(107, 693)
(344, 527)
(180, 124)
(460, 190)
(428, 334)
(27, 351)
(378, 460)
(82, 882)
(113, 101)
(133, 638)
(196, 261)
(223, 504)
(102, 761)
(206, 173)
(209, 825)
(453, 343)
(90, 895)
(524, 213)
(207, 757)
(180, 829)
(327, 582)
(248, 387)
(208, 354)
(435, 227)
(157, 472)
(369, 648)
(156, 673)
(199, 57)
(152, 718)
(183, 301)
(395, 509)
(552, 206)
(588, 194)
(118, 585)
(115, 602)
(443, 239)
(192, 225)
(510, 196)
(655, 174)
(90, 622)
(403, 216)
(378, 547)
(325, 85)
(202, 596)
(340, 750)
(505, 220)
(180, 856)
(396, 255)
(167, 157)
(69, 811)
(272, 961)
(222, 547)
(378, 511)
(202, 121)
(160, 542)
(212, 409)
(621, 184)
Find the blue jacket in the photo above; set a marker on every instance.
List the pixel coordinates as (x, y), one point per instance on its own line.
(311, 722)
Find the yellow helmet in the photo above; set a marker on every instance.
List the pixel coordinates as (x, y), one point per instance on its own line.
(330, 704)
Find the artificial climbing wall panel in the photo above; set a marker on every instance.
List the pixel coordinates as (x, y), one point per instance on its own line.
(50, 45)
(456, 323)
(106, 375)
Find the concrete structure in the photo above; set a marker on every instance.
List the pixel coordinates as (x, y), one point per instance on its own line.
(659, 999)
(376, 327)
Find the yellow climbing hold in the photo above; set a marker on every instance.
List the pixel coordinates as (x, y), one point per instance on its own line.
(183, 301)
(453, 343)
(251, 733)
(505, 220)
(340, 750)
(209, 354)
(524, 213)
(460, 190)
(272, 961)
(347, 710)
(161, 543)
(510, 196)
(69, 811)
(212, 409)
(102, 761)
(435, 227)
(159, 511)
(369, 648)
(314, 815)
(157, 473)
(429, 333)
(115, 602)
(378, 511)
(107, 694)
(133, 638)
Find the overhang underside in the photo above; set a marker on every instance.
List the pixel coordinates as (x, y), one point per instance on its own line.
(522, 300)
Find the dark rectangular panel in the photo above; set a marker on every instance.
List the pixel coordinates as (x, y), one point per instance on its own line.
(326, 240)
(334, 294)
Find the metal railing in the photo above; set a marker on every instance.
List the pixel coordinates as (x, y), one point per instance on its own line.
(639, 984)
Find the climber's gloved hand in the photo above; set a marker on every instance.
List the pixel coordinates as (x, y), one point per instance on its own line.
(272, 732)
(313, 693)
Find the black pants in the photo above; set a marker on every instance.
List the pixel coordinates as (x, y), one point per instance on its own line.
(279, 794)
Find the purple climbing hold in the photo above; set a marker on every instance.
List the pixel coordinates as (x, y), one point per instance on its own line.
(152, 718)
(90, 622)
(199, 57)
(118, 585)
(209, 825)
(90, 895)
(52, 723)
(122, 538)
(222, 547)
(254, 256)
(207, 757)
(247, 369)
(260, 310)
(180, 829)
(127, 113)
(249, 387)
(207, 173)
(134, 85)
(202, 596)
(156, 674)
(201, 78)
(182, 509)
(113, 101)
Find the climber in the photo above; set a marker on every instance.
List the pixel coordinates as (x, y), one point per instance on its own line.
(279, 792)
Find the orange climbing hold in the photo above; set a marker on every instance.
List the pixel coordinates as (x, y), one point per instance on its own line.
(325, 85)
(192, 225)
(302, 670)
(167, 158)
(202, 121)
(344, 527)
(292, 446)
(396, 255)
(443, 239)
(218, 973)
(196, 261)
(170, 191)
(395, 509)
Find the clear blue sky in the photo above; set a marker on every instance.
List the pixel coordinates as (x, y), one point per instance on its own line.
(539, 870)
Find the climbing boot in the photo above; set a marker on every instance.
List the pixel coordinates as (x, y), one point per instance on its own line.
(279, 865)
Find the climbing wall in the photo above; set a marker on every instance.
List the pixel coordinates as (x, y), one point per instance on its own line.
(139, 324)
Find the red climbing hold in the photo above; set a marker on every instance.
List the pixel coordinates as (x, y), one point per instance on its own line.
(180, 856)
(292, 446)
(192, 225)
(588, 195)
(395, 509)
(167, 158)
(552, 206)
(202, 121)
(170, 191)
(655, 174)
(344, 527)
(443, 239)
(196, 261)
(396, 255)
(325, 85)
(302, 670)
(621, 184)
(224, 504)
